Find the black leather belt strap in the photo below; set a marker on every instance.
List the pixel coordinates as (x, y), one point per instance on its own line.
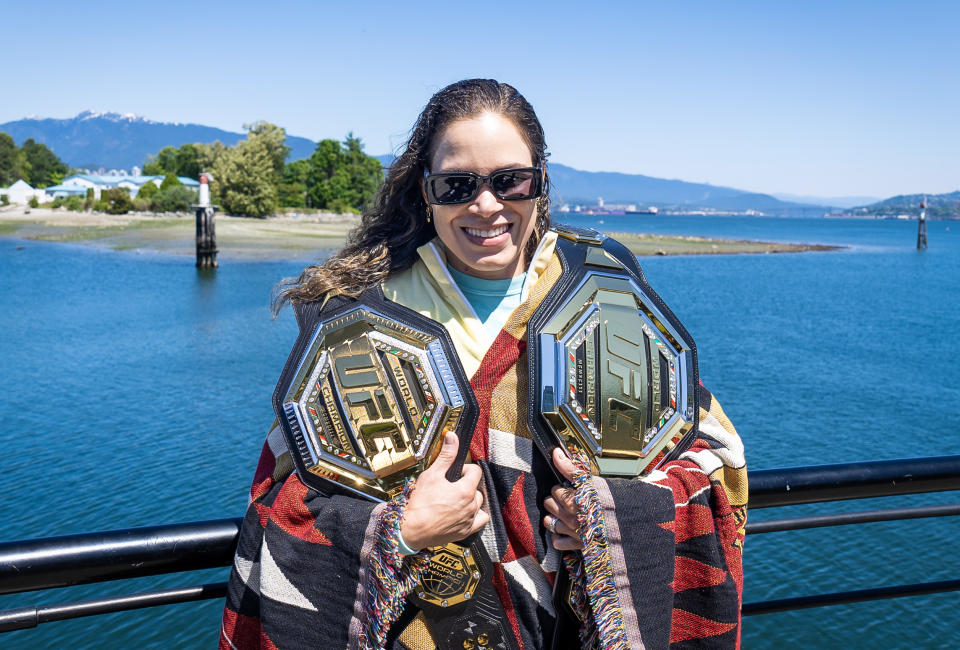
(476, 622)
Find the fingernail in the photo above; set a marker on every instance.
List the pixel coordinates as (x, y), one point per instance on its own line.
(450, 438)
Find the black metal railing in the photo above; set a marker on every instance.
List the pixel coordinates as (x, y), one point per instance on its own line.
(821, 483)
(38, 564)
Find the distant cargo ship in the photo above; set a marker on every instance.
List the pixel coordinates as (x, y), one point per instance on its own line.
(651, 210)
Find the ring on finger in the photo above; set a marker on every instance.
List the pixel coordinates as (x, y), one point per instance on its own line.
(552, 526)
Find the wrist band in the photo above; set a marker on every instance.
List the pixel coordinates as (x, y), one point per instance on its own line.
(402, 546)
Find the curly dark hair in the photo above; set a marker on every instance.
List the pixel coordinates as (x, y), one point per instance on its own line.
(395, 225)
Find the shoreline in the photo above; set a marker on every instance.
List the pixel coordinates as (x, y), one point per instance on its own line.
(289, 237)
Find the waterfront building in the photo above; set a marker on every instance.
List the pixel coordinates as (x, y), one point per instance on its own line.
(21, 192)
(130, 183)
(65, 190)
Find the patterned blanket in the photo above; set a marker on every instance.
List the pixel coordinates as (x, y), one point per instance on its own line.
(663, 567)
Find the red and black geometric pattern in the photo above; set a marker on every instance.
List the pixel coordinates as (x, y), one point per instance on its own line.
(675, 538)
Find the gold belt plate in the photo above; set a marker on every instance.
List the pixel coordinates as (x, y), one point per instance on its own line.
(451, 577)
(371, 402)
(616, 378)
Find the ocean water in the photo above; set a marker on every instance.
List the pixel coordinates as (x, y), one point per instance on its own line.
(136, 391)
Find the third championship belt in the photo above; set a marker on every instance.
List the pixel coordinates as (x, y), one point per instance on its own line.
(613, 372)
(365, 400)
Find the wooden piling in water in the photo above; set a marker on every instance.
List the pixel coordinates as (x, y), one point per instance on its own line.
(206, 238)
(922, 226)
(206, 231)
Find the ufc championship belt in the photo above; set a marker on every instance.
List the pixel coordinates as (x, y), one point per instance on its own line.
(613, 372)
(366, 397)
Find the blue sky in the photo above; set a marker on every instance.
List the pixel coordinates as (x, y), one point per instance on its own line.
(810, 98)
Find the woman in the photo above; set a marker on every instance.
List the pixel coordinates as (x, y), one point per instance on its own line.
(477, 255)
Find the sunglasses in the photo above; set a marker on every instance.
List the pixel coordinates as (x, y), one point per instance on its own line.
(452, 188)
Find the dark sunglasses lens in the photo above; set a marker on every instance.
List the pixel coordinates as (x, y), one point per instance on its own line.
(453, 188)
(513, 184)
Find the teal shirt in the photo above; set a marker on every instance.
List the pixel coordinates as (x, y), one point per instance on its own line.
(492, 300)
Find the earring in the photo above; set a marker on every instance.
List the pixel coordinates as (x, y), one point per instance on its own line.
(429, 213)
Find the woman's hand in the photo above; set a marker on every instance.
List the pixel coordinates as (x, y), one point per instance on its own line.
(562, 509)
(439, 511)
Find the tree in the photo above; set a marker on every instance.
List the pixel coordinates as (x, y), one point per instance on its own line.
(184, 161)
(274, 139)
(325, 182)
(188, 163)
(117, 201)
(170, 180)
(207, 154)
(292, 190)
(246, 176)
(147, 190)
(163, 163)
(176, 198)
(246, 180)
(292, 195)
(342, 178)
(296, 172)
(11, 163)
(365, 172)
(45, 168)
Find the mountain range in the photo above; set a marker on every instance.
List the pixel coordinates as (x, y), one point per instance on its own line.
(577, 186)
(92, 140)
(119, 141)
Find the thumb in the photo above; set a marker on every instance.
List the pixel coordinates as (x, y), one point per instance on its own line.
(448, 453)
(563, 464)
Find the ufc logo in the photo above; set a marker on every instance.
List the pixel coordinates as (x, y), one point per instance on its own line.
(367, 402)
(626, 362)
(361, 386)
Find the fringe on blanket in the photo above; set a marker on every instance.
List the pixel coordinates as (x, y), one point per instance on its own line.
(595, 577)
(578, 599)
(391, 576)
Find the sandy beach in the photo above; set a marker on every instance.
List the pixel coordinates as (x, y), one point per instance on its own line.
(284, 237)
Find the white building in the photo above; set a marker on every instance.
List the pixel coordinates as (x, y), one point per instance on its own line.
(132, 183)
(21, 192)
(67, 189)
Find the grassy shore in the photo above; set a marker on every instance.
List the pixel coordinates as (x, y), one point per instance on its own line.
(285, 237)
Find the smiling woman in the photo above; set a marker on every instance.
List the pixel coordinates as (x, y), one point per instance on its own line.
(414, 354)
(483, 221)
(399, 222)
